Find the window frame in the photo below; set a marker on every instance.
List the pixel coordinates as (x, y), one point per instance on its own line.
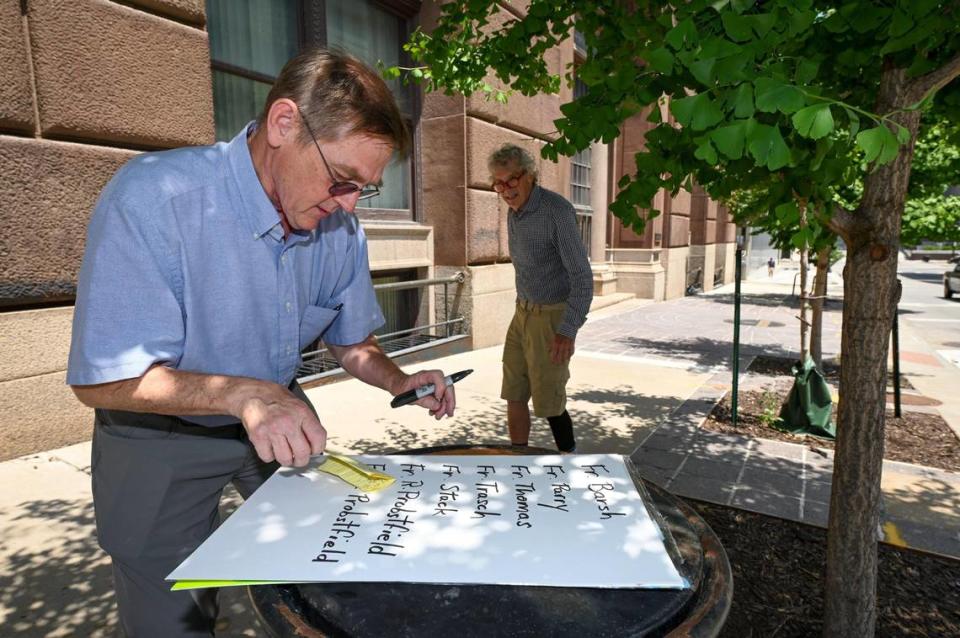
(311, 31)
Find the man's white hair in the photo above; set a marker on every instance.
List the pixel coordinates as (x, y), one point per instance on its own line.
(509, 154)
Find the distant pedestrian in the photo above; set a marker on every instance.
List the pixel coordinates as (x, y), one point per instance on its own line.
(771, 264)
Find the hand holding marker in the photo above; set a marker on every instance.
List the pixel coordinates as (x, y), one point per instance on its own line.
(416, 394)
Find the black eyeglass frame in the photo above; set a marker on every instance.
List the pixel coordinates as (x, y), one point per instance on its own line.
(338, 188)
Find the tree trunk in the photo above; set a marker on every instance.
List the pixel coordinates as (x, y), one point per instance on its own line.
(872, 237)
(804, 266)
(816, 305)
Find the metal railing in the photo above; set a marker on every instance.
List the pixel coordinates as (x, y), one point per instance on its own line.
(319, 363)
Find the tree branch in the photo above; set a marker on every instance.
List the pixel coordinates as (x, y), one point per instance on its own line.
(920, 87)
(844, 223)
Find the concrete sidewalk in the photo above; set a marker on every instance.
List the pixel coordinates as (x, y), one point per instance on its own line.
(643, 379)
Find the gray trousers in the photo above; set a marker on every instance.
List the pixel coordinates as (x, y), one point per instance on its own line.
(157, 483)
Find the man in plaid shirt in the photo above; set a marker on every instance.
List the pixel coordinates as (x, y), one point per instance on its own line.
(554, 290)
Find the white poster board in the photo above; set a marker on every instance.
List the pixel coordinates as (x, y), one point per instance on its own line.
(562, 521)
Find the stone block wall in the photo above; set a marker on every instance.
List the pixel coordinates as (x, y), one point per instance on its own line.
(84, 86)
(457, 135)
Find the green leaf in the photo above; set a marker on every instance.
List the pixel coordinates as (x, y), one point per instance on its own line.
(773, 95)
(731, 139)
(878, 144)
(736, 27)
(660, 60)
(903, 135)
(683, 109)
(854, 121)
(743, 101)
(788, 213)
(914, 36)
(806, 70)
(901, 23)
(814, 121)
(766, 146)
(683, 32)
(800, 21)
(698, 112)
(717, 47)
(799, 239)
(762, 23)
(706, 152)
(703, 71)
(733, 69)
(742, 5)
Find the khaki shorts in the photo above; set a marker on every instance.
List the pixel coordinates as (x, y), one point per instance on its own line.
(527, 368)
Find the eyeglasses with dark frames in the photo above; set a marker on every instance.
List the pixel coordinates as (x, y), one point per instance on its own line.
(340, 188)
(501, 185)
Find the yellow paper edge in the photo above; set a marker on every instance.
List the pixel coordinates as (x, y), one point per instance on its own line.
(372, 480)
(205, 584)
(360, 467)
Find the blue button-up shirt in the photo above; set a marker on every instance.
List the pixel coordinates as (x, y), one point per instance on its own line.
(186, 265)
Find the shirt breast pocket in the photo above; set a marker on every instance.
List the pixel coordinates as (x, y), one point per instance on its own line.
(315, 321)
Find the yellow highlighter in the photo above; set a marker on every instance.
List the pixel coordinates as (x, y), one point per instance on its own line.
(355, 473)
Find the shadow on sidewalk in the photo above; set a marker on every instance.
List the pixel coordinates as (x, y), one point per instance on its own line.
(770, 300)
(609, 420)
(701, 351)
(62, 587)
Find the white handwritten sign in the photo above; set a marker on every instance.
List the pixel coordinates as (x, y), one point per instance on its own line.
(564, 521)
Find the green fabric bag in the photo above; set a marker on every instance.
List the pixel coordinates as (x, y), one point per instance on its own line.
(807, 409)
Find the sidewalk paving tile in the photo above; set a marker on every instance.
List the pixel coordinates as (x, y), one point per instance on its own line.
(646, 457)
(783, 481)
(939, 540)
(821, 460)
(711, 446)
(717, 470)
(817, 490)
(779, 449)
(763, 502)
(701, 488)
(815, 512)
(657, 475)
(668, 443)
(911, 469)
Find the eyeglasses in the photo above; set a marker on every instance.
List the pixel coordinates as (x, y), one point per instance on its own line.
(501, 185)
(337, 188)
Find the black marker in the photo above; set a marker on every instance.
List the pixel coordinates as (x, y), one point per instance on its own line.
(411, 396)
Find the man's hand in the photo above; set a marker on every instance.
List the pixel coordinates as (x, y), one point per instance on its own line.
(442, 402)
(367, 362)
(561, 349)
(282, 427)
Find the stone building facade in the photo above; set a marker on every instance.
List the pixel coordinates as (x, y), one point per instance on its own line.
(87, 84)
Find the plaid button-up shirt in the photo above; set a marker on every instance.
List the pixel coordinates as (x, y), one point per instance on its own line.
(549, 257)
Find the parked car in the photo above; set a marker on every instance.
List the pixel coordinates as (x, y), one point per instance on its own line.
(951, 282)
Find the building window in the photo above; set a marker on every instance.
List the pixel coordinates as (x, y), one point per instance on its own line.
(372, 34)
(580, 181)
(250, 40)
(401, 308)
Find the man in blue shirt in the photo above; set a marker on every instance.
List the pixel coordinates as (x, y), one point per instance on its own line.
(206, 271)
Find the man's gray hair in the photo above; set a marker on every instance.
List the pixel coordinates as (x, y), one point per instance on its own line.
(511, 153)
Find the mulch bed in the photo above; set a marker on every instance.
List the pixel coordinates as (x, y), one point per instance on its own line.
(779, 565)
(917, 437)
(778, 572)
(778, 366)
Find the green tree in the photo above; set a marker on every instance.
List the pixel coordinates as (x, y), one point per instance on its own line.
(930, 214)
(933, 218)
(806, 231)
(759, 89)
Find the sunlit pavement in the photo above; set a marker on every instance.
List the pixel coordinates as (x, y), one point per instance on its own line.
(644, 377)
